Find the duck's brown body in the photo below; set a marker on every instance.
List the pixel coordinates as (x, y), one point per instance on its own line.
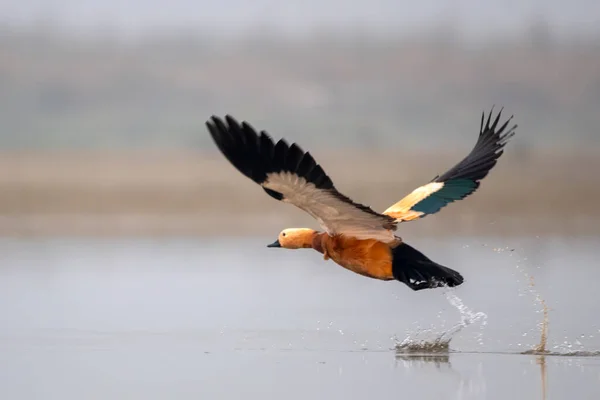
(370, 257)
(373, 258)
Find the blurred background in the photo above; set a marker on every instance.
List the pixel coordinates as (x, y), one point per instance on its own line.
(103, 104)
(132, 254)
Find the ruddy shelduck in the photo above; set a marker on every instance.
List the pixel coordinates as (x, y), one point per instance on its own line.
(355, 236)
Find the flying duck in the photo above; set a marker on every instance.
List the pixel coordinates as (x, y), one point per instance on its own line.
(355, 236)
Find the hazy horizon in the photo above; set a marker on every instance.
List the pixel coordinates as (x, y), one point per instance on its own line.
(374, 74)
(469, 17)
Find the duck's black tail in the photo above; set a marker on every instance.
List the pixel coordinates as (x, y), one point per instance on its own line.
(413, 268)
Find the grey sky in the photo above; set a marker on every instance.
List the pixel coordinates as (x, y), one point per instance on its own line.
(474, 16)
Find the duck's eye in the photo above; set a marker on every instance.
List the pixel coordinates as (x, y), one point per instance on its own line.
(283, 234)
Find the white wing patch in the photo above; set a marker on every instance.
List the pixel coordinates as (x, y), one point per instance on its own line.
(333, 213)
(402, 209)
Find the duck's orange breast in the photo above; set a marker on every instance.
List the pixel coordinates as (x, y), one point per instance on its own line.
(369, 257)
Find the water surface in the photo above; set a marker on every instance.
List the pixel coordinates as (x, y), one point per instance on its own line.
(227, 317)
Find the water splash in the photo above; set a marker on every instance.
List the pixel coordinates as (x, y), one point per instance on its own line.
(412, 345)
(467, 317)
(567, 347)
(542, 326)
(540, 348)
(441, 342)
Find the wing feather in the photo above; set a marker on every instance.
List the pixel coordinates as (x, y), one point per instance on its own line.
(289, 174)
(461, 180)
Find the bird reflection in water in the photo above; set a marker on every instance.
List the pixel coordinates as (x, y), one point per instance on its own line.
(411, 360)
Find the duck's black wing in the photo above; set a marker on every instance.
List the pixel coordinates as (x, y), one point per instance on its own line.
(461, 180)
(289, 174)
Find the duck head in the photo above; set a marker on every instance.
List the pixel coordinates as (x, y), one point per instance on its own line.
(294, 238)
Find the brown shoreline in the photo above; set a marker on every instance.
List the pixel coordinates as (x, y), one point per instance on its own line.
(187, 193)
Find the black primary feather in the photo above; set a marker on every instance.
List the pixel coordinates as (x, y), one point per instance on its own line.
(485, 154)
(464, 178)
(256, 155)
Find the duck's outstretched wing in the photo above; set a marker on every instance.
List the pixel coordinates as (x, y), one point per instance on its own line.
(461, 180)
(289, 174)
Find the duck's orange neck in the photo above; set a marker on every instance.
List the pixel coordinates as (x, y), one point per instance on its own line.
(317, 242)
(308, 240)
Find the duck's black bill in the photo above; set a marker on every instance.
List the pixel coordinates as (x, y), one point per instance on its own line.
(274, 244)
